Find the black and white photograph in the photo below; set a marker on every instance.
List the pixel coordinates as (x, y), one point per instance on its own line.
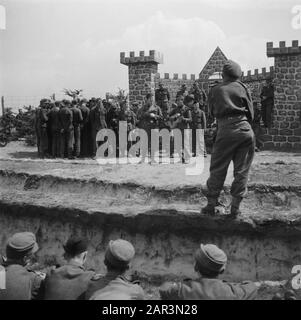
(150, 151)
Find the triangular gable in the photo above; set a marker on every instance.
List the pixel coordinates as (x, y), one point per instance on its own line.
(214, 64)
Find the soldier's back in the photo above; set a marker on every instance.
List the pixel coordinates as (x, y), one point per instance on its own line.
(68, 282)
(21, 284)
(119, 289)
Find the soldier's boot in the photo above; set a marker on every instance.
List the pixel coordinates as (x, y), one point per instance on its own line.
(235, 204)
(213, 207)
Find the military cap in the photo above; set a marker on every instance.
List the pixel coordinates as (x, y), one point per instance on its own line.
(75, 246)
(119, 253)
(232, 69)
(210, 258)
(22, 243)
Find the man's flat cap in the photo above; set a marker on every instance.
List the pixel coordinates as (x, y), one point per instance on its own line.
(119, 253)
(23, 242)
(76, 245)
(232, 69)
(211, 258)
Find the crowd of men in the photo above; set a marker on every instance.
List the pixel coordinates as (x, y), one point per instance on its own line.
(68, 129)
(72, 281)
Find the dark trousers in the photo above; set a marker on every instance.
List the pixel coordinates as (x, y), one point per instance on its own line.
(234, 141)
(55, 143)
(67, 143)
(76, 140)
(267, 113)
(84, 141)
(194, 143)
(43, 142)
(257, 133)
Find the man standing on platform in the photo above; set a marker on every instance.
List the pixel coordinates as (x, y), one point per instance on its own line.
(230, 103)
(77, 121)
(84, 134)
(67, 138)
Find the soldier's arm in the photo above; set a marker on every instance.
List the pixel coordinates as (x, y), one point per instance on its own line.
(188, 118)
(38, 285)
(243, 291)
(80, 115)
(204, 120)
(170, 291)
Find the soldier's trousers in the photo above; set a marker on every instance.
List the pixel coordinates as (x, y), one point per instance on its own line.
(234, 142)
(197, 140)
(43, 142)
(84, 141)
(257, 133)
(67, 143)
(77, 141)
(55, 143)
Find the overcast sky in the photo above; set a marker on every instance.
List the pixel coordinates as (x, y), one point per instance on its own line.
(51, 45)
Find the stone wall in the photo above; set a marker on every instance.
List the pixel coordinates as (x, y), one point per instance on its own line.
(142, 71)
(286, 131)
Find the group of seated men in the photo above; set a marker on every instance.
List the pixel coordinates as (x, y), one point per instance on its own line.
(72, 281)
(69, 128)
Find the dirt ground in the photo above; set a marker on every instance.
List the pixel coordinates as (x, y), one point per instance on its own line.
(269, 168)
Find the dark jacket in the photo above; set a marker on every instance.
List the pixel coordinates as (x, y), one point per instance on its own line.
(184, 115)
(66, 118)
(198, 119)
(68, 282)
(208, 289)
(149, 116)
(230, 99)
(161, 95)
(85, 114)
(119, 289)
(77, 116)
(54, 119)
(21, 284)
(98, 118)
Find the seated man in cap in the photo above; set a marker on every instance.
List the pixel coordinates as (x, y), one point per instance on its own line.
(115, 285)
(70, 281)
(210, 262)
(20, 282)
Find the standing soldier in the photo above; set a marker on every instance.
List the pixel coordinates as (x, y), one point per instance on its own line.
(114, 115)
(267, 103)
(21, 283)
(77, 121)
(161, 94)
(180, 118)
(148, 117)
(42, 121)
(230, 103)
(130, 118)
(66, 120)
(97, 122)
(84, 134)
(37, 126)
(210, 262)
(55, 127)
(183, 92)
(198, 122)
(199, 95)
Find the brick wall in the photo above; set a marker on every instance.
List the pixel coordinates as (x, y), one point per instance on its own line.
(286, 132)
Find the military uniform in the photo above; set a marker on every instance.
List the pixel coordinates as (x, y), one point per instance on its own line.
(20, 282)
(55, 126)
(68, 282)
(208, 289)
(38, 129)
(230, 103)
(130, 117)
(119, 289)
(198, 122)
(256, 127)
(67, 136)
(267, 104)
(115, 286)
(77, 121)
(210, 261)
(84, 135)
(97, 122)
(161, 94)
(183, 116)
(42, 122)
